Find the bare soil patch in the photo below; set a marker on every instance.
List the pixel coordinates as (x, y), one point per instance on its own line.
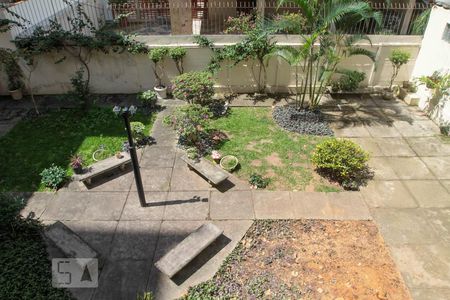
(274, 160)
(308, 259)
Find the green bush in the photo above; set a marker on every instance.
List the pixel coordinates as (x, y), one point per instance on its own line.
(178, 54)
(157, 55)
(192, 124)
(397, 58)
(53, 177)
(80, 89)
(137, 129)
(258, 181)
(290, 23)
(349, 81)
(9, 208)
(148, 98)
(194, 87)
(343, 161)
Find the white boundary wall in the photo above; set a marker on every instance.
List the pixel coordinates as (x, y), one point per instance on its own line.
(127, 73)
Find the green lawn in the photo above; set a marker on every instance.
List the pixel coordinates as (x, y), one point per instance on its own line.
(263, 147)
(35, 144)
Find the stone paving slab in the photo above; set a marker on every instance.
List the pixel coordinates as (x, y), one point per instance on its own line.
(155, 179)
(270, 205)
(370, 145)
(429, 146)
(409, 168)
(446, 184)
(394, 147)
(184, 179)
(382, 169)
(187, 206)
(417, 128)
(391, 194)
(424, 266)
(235, 205)
(440, 222)
(404, 226)
(36, 204)
(158, 157)
(330, 206)
(156, 202)
(67, 206)
(123, 279)
(440, 166)
(382, 130)
(135, 240)
(430, 293)
(429, 193)
(103, 206)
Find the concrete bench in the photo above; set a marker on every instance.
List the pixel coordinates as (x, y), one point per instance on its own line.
(103, 166)
(68, 241)
(213, 174)
(188, 249)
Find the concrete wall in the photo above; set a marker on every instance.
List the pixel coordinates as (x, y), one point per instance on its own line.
(126, 73)
(435, 56)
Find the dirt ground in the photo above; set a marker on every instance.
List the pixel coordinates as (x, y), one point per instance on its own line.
(310, 259)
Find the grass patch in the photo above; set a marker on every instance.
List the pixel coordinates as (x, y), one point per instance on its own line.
(26, 269)
(263, 147)
(35, 144)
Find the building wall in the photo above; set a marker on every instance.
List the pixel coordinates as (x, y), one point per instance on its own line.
(126, 73)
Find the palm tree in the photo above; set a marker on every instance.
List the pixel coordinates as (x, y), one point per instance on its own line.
(293, 57)
(326, 43)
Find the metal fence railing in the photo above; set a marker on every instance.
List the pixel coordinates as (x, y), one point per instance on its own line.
(210, 17)
(162, 17)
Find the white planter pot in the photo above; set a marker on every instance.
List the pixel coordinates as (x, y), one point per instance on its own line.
(16, 94)
(161, 91)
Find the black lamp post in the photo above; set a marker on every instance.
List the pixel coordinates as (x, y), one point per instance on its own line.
(126, 112)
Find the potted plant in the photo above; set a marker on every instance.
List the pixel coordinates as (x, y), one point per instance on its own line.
(76, 162)
(148, 99)
(398, 58)
(229, 162)
(157, 56)
(178, 54)
(192, 153)
(216, 156)
(14, 73)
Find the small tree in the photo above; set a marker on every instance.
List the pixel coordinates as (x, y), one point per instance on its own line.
(397, 58)
(157, 56)
(178, 54)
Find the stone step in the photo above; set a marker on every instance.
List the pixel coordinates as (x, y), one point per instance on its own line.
(188, 249)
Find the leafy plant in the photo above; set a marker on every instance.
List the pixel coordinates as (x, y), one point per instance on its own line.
(420, 23)
(194, 87)
(290, 23)
(327, 21)
(145, 296)
(258, 181)
(242, 24)
(203, 41)
(80, 89)
(137, 129)
(192, 153)
(178, 54)
(148, 98)
(192, 124)
(53, 177)
(343, 161)
(349, 80)
(229, 162)
(398, 58)
(440, 82)
(157, 56)
(8, 59)
(76, 161)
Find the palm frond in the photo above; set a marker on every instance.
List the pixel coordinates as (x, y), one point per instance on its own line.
(305, 5)
(361, 51)
(352, 39)
(336, 11)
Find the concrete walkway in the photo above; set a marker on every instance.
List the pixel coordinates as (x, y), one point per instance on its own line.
(409, 199)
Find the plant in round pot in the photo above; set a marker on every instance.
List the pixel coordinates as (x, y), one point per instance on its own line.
(398, 58)
(157, 56)
(76, 163)
(8, 59)
(229, 163)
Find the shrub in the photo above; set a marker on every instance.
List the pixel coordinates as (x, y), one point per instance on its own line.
(53, 177)
(192, 153)
(9, 210)
(349, 81)
(148, 98)
(178, 54)
(157, 55)
(290, 23)
(241, 24)
(343, 161)
(80, 89)
(194, 87)
(397, 58)
(76, 161)
(258, 181)
(137, 129)
(192, 124)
